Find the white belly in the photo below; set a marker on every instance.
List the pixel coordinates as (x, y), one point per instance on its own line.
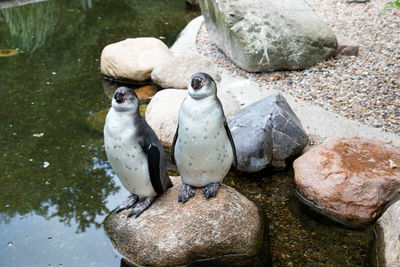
(203, 151)
(125, 154)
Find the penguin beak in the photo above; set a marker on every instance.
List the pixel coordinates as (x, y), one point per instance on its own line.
(196, 83)
(119, 97)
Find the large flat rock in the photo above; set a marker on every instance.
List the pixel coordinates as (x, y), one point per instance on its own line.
(171, 233)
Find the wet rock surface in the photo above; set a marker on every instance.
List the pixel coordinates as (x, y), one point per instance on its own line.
(349, 179)
(388, 237)
(177, 71)
(170, 233)
(133, 59)
(266, 132)
(162, 112)
(281, 35)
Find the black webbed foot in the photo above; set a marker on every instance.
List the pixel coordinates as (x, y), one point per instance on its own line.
(211, 190)
(127, 204)
(185, 193)
(139, 208)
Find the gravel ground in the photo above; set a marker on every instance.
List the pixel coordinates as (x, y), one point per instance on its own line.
(365, 88)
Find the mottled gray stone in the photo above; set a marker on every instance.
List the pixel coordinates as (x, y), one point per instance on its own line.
(388, 237)
(170, 233)
(267, 35)
(266, 132)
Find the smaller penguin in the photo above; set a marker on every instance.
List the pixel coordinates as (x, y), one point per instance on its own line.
(203, 148)
(134, 152)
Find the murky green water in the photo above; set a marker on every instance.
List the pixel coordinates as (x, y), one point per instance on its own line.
(298, 236)
(55, 184)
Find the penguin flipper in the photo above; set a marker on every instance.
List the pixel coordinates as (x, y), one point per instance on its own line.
(228, 132)
(153, 162)
(173, 146)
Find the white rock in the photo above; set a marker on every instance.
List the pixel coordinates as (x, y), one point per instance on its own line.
(134, 58)
(176, 72)
(388, 232)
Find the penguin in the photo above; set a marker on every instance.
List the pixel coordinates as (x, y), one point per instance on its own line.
(203, 149)
(134, 152)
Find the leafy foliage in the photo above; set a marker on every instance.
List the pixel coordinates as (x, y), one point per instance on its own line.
(392, 4)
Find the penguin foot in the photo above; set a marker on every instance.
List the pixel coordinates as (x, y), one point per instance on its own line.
(139, 208)
(211, 190)
(185, 193)
(127, 204)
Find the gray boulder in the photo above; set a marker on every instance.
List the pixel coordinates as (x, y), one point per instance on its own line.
(388, 237)
(266, 132)
(267, 35)
(170, 233)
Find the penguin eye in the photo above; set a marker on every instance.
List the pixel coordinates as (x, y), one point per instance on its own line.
(196, 83)
(119, 97)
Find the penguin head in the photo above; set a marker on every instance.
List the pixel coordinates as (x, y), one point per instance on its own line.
(201, 85)
(125, 99)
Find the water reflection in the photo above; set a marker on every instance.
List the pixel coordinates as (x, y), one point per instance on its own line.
(29, 26)
(87, 4)
(72, 187)
(54, 179)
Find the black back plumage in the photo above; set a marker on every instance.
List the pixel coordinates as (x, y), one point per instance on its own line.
(155, 154)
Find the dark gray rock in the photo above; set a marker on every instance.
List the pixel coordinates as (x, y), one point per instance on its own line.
(266, 132)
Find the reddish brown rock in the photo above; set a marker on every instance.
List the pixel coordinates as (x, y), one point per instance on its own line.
(170, 233)
(145, 93)
(349, 179)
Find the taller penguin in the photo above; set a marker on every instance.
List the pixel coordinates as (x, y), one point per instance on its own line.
(134, 152)
(203, 148)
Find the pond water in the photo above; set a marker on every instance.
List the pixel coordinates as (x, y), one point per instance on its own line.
(55, 184)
